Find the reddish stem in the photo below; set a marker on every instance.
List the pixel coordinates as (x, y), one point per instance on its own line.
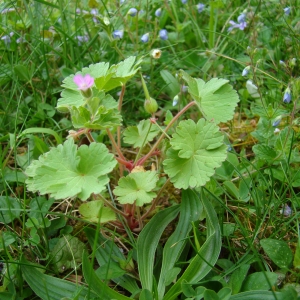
(142, 160)
(114, 144)
(128, 164)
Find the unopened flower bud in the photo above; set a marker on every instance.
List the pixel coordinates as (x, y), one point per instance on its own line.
(282, 63)
(87, 93)
(150, 105)
(175, 100)
(106, 21)
(292, 62)
(287, 97)
(287, 10)
(246, 71)
(276, 121)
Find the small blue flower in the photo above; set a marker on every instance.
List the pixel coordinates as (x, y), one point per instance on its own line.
(20, 40)
(184, 1)
(282, 63)
(163, 34)
(241, 18)
(158, 12)
(200, 7)
(82, 39)
(241, 25)
(94, 11)
(132, 12)
(287, 97)
(6, 39)
(81, 11)
(118, 34)
(122, 1)
(286, 210)
(229, 147)
(287, 10)
(145, 38)
(7, 10)
(184, 89)
(276, 121)
(246, 71)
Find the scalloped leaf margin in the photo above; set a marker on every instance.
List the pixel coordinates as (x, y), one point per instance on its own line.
(67, 171)
(197, 150)
(216, 99)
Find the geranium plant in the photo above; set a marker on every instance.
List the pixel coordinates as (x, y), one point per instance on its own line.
(194, 149)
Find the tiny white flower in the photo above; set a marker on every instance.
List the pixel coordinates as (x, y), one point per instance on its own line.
(156, 53)
(277, 130)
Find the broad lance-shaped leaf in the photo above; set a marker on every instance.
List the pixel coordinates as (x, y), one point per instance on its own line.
(68, 171)
(140, 134)
(136, 187)
(100, 112)
(216, 98)
(49, 287)
(197, 150)
(278, 251)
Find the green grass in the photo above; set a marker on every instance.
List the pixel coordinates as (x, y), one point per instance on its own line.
(246, 194)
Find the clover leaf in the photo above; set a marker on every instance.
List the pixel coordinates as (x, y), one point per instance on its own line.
(136, 187)
(68, 171)
(140, 134)
(216, 98)
(197, 150)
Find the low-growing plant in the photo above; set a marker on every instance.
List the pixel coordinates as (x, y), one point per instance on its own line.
(186, 153)
(168, 186)
(189, 158)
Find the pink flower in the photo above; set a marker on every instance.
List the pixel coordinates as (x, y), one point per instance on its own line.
(83, 82)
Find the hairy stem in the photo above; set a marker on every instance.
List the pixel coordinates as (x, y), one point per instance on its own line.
(89, 136)
(107, 203)
(114, 144)
(140, 150)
